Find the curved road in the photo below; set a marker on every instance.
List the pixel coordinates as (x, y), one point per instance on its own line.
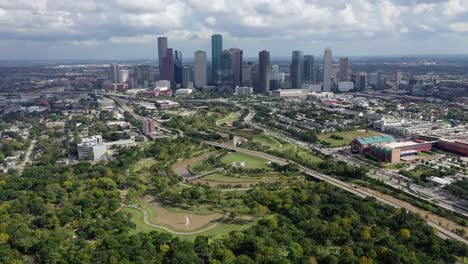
(361, 192)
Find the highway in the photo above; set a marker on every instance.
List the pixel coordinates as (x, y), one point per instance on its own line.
(356, 190)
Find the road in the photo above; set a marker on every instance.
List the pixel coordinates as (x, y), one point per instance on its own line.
(27, 157)
(356, 190)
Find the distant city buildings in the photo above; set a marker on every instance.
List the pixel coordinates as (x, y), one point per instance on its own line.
(114, 73)
(327, 70)
(297, 64)
(237, 62)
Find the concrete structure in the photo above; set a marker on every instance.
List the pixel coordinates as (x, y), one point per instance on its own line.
(216, 52)
(458, 147)
(290, 93)
(178, 66)
(124, 143)
(263, 72)
(237, 60)
(308, 76)
(162, 47)
(148, 126)
(344, 66)
(106, 103)
(244, 90)
(327, 70)
(345, 86)
(297, 65)
(360, 145)
(166, 104)
(91, 148)
(114, 73)
(395, 151)
(200, 69)
(183, 92)
(167, 71)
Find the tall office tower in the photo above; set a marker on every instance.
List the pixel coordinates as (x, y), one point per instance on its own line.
(344, 65)
(263, 72)
(162, 47)
(274, 77)
(216, 52)
(178, 65)
(297, 70)
(399, 76)
(168, 68)
(247, 75)
(227, 70)
(186, 76)
(200, 69)
(255, 75)
(143, 75)
(327, 70)
(360, 80)
(114, 73)
(236, 55)
(309, 68)
(123, 76)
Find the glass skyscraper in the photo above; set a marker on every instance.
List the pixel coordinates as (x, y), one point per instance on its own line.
(297, 65)
(178, 66)
(216, 52)
(309, 69)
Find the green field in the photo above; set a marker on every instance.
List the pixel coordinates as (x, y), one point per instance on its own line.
(218, 231)
(229, 119)
(268, 141)
(251, 161)
(348, 136)
(223, 178)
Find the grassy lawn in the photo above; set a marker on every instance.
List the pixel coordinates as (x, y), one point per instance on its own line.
(223, 178)
(219, 231)
(229, 119)
(143, 164)
(348, 136)
(268, 141)
(251, 162)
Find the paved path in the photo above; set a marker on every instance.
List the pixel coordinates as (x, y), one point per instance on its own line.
(357, 190)
(27, 157)
(146, 219)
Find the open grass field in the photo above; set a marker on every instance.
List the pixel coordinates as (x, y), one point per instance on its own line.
(223, 178)
(348, 136)
(268, 141)
(251, 162)
(218, 231)
(229, 119)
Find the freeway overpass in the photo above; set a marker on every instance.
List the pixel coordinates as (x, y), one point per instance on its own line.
(362, 192)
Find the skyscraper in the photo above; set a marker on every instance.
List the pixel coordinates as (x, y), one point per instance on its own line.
(344, 65)
(162, 47)
(297, 65)
(309, 69)
(327, 70)
(247, 75)
(143, 75)
(399, 76)
(186, 76)
(200, 68)
(227, 70)
(168, 67)
(264, 72)
(178, 65)
(216, 52)
(123, 76)
(236, 55)
(114, 73)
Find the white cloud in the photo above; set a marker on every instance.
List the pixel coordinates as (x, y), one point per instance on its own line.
(459, 27)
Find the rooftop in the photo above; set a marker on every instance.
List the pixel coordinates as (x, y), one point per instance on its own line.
(400, 144)
(376, 139)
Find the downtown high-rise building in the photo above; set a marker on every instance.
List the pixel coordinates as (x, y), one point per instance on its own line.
(309, 70)
(226, 75)
(247, 75)
(344, 66)
(297, 65)
(360, 80)
(327, 70)
(178, 66)
(398, 77)
(162, 47)
(216, 53)
(263, 72)
(143, 75)
(114, 73)
(167, 72)
(200, 69)
(236, 55)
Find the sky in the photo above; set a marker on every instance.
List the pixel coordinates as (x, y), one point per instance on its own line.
(127, 29)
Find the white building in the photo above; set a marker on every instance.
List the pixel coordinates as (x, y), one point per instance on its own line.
(183, 92)
(163, 84)
(91, 148)
(345, 86)
(327, 70)
(244, 90)
(123, 76)
(292, 93)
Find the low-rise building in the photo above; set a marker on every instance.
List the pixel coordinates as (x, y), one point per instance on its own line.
(91, 148)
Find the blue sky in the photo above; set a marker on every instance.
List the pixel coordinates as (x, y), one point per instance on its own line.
(127, 29)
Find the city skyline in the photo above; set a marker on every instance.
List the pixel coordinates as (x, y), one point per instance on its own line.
(128, 29)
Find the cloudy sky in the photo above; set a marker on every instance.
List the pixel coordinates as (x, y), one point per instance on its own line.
(127, 29)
